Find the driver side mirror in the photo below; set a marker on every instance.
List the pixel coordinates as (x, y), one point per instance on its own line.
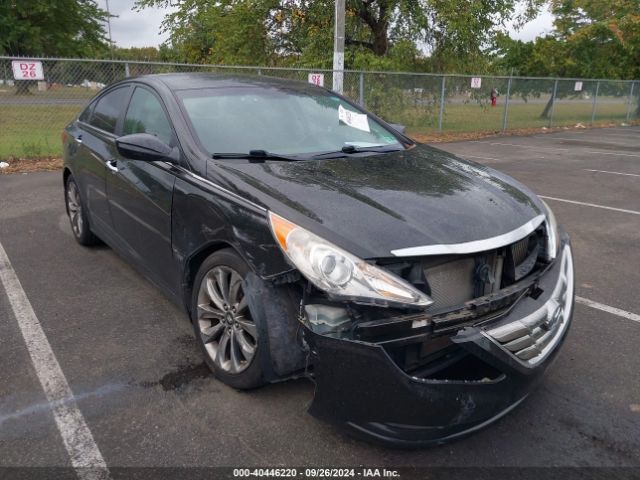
(398, 128)
(145, 147)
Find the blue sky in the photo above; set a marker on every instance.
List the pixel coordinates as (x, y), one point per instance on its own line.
(142, 29)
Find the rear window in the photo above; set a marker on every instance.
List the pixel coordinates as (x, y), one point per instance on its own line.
(108, 109)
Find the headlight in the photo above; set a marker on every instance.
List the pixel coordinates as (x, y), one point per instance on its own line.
(553, 239)
(339, 273)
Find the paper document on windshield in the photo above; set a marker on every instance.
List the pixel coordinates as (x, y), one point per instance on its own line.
(353, 119)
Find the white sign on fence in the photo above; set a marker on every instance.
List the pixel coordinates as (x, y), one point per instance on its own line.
(476, 82)
(317, 79)
(27, 70)
(578, 87)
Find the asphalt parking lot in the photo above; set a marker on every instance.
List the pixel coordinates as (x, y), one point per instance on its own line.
(138, 380)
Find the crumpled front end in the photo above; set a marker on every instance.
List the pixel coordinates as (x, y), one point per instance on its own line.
(414, 379)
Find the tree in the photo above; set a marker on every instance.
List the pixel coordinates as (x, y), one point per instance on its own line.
(147, 54)
(300, 31)
(63, 28)
(591, 39)
(602, 38)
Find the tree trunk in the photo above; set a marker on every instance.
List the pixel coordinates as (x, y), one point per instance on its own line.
(380, 39)
(22, 87)
(547, 108)
(379, 26)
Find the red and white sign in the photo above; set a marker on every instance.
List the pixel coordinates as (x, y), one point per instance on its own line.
(476, 82)
(317, 79)
(27, 70)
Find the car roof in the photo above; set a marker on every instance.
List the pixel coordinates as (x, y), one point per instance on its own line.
(188, 81)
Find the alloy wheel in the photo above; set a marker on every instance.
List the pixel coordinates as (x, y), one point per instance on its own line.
(226, 329)
(74, 207)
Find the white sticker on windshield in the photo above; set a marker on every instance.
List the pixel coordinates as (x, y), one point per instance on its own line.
(353, 119)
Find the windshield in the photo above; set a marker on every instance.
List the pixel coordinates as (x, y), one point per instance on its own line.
(280, 121)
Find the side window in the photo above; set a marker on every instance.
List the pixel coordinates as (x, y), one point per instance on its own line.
(108, 109)
(145, 115)
(84, 116)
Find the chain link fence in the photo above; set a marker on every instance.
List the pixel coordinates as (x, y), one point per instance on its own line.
(33, 113)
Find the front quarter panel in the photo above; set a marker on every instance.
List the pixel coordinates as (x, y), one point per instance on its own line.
(206, 216)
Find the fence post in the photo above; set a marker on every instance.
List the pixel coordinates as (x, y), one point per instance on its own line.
(127, 74)
(595, 102)
(361, 90)
(630, 100)
(506, 106)
(441, 104)
(553, 102)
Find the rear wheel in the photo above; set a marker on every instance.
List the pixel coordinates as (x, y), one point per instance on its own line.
(225, 329)
(78, 214)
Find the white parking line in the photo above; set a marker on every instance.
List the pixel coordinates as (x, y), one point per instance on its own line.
(614, 173)
(538, 147)
(559, 138)
(590, 205)
(632, 134)
(626, 129)
(77, 438)
(580, 139)
(613, 153)
(606, 308)
(464, 155)
(527, 146)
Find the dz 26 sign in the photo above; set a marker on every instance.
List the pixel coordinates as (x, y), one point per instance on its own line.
(317, 79)
(27, 70)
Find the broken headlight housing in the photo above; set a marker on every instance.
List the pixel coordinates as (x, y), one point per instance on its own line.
(339, 273)
(553, 238)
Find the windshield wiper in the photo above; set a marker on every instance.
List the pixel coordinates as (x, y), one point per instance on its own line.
(376, 148)
(255, 156)
(349, 149)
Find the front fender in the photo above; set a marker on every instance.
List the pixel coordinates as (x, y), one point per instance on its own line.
(204, 216)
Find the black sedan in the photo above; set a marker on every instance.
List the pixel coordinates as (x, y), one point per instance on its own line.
(423, 294)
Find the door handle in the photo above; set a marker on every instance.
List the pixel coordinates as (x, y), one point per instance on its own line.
(112, 165)
(78, 139)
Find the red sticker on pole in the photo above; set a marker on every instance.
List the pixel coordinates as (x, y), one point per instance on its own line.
(27, 70)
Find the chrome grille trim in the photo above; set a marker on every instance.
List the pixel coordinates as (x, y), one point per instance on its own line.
(474, 246)
(532, 338)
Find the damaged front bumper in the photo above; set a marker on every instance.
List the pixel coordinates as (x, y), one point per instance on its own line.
(359, 384)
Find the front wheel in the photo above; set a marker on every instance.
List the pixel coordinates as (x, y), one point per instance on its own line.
(234, 348)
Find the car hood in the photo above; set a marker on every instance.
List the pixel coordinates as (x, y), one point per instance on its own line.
(371, 205)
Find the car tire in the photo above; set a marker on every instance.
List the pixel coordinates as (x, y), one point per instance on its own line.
(77, 214)
(235, 347)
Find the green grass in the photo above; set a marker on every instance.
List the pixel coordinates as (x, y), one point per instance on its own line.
(53, 93)
(34, 130)
(477, 118)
